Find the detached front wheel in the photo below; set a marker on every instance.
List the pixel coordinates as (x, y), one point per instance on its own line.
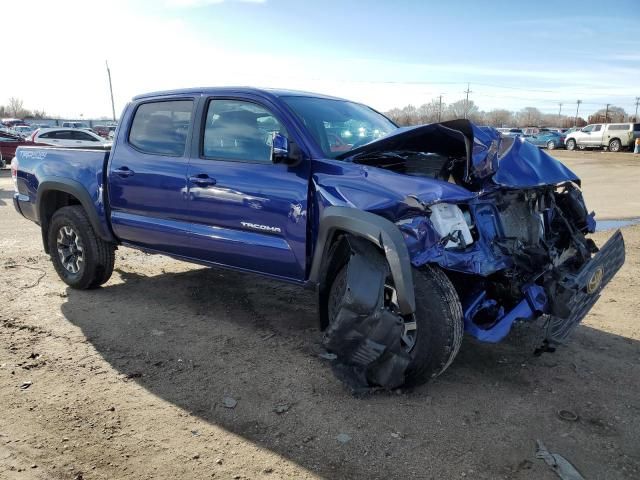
(81, 258)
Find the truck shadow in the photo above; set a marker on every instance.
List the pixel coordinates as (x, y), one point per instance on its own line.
(195, 337)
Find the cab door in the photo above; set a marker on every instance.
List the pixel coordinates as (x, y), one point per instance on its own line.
(147, 176)
(595, 139)
(245, 211)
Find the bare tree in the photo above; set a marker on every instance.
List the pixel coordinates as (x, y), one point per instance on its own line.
(499, 118)
(462, 109)
(612, 114)
(529, 117)
(429, 112)
(15, 107)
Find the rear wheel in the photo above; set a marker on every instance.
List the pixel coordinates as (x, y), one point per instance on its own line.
(571, 144)
(551, 145)
(615, 145)
(81, 258)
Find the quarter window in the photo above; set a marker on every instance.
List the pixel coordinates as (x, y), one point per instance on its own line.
(161, 127)
(239, 130)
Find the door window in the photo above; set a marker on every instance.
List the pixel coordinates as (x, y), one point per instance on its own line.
(587, 129)
(84, 136)
(597, 128)
(160, 128)
(239, 130)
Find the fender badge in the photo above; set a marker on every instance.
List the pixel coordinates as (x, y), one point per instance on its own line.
(595, 281)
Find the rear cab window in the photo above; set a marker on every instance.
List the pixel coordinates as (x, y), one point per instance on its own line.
(160, 127)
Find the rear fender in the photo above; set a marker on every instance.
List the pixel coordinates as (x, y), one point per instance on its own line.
(44, 210)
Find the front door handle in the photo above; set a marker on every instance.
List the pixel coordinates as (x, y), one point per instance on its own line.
(124, 171)
(202, 180)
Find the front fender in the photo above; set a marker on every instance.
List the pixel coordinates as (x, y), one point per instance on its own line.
(379, 231)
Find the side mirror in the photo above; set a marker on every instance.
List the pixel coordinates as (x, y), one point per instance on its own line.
(284, 151)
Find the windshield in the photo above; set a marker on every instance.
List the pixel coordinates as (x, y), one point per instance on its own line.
(337, 125)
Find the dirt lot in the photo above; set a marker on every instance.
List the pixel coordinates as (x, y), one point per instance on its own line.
(131, 380)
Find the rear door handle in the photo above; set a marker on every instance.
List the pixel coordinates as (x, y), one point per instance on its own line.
(202, 180)
(124, 171)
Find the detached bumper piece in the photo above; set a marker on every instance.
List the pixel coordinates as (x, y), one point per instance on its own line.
(576, 294)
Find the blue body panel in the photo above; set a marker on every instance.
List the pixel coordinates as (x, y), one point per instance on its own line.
(157, 207)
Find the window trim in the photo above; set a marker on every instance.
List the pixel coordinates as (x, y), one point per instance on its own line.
(203, 122)
(160, 100)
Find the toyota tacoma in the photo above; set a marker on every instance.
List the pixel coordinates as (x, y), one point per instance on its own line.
(410, 236)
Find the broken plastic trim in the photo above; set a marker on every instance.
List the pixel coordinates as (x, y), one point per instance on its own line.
(364, 335)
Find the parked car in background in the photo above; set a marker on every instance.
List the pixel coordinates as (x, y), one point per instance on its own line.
(104, 130)
(74, 125)
(8, 144)
(614, 136)
(511, 132)
(550, 140)
(23, 130)
(69, 137)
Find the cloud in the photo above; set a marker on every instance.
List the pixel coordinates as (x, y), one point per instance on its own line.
(204, 3)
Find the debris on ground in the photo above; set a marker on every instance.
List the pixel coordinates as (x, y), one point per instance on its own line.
(26, 384)
(567, 416)
(229, 402)
(558, 463)
(282, 408)
(343, 438)
(328, 356)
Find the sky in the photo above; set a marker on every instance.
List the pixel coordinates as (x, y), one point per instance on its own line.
(386, 54)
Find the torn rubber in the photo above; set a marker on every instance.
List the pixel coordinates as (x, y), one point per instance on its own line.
(363, 333)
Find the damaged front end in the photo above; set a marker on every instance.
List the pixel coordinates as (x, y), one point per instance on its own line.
(516, 249)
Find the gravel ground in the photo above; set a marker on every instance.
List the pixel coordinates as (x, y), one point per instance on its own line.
(176, 371)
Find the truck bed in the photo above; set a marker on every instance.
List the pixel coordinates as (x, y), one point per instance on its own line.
(79, 172)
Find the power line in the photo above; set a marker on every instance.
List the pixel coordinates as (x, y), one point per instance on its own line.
(575, 123)
(113, 107)
(466, 103)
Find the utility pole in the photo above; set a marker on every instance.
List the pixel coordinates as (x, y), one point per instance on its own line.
(440, 109)
(606, 114)
(560, 113)
(635, 118)
(575, 123)
(113, 107)
(466, 103)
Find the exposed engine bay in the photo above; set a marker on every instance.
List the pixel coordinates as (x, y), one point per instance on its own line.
(518, 248)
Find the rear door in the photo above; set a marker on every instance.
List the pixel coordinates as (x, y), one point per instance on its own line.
(246, 212)
(147, 175)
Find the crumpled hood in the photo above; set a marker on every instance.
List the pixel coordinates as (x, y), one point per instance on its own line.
(490, 158)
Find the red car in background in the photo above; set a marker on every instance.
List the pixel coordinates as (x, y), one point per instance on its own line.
(8, 144)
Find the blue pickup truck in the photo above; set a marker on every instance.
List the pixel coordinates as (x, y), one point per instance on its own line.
(411, 236)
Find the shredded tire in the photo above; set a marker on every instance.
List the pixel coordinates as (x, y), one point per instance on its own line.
(99, 255)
